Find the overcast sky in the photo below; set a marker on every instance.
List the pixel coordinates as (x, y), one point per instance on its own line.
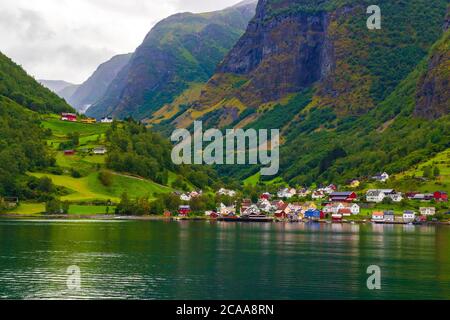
(68, 39)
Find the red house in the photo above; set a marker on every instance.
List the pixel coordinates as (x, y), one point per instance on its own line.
(283, 211)
(69, 152)
(348, 196)
(184, 210)
(440, 196)
(69, 117)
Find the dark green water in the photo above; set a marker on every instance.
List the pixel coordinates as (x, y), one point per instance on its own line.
(203, 260)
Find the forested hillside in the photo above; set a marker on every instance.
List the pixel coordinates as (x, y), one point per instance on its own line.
(18, 86)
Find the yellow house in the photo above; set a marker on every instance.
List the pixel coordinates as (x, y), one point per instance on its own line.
(355, 183)
(89, 120)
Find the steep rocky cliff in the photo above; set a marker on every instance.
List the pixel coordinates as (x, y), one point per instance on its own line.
(292, 45)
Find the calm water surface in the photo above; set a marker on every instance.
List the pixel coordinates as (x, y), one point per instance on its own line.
(203, 260)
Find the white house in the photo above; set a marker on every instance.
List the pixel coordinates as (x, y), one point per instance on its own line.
(344, 208)
(378, 216)
(252, 210)
(285, 193)
(106, 120)
(224, 211)
(354, 208)
(265, 206)
(409, 216)
(427, 211)
(396, 197)
(226, 192)
(378, 195)
(375, 196)
(318, 195)
(100, 151)
(185, 197)
(381, 177)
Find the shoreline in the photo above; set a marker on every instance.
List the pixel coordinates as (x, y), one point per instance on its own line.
(193, 219)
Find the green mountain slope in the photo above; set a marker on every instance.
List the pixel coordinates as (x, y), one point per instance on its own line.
(18, 86)
(178, 53)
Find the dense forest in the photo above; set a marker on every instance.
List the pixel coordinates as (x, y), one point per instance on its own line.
(22, 148)
(137, 150)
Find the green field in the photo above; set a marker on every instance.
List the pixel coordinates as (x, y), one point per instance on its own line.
(90, 189)
(29, 208)
(90, 210)
(442, 182)
(61, 128)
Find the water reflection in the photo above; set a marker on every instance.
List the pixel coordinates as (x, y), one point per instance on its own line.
(203, 260)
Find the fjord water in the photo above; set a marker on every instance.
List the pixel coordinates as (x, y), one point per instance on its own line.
(207, 260)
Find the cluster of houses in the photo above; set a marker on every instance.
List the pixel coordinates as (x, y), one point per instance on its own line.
(72, 117)
(188, 196)
(95, 151)
(409, 216)
(337, 205)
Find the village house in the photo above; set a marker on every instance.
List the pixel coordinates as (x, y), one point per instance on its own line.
(328, 189)
(69, 152)
(336, 217)
(283, 212)
(68, 117)
(100, 151)
(420, 196)
(184, 210)
(185, 197)
(10, 202)
(167, 214)
(381, 177)
(246, 203)
(89, 120)
(378, 216)
(347, 196)
(354, 183)
(346, 212)
(277, 204)
(303, 193)
(265, 206)
(309, 205)
(378, 195)
(389, 216)
(317, 195)
(265, 196)
(286, 193)
(212, 214)
(440, 196)
(296, 207)
(313, 214)
(106, 120)
(225, 211)
(252, 211)
(427, 211)
(409, 216)
(226, 192)
(335, 207)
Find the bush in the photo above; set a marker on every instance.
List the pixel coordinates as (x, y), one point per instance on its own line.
(106, 178)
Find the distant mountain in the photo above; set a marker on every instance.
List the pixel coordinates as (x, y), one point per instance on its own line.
(56, 85)
(23, 89)
(68, 91)
(86, 94)
(179, 53)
